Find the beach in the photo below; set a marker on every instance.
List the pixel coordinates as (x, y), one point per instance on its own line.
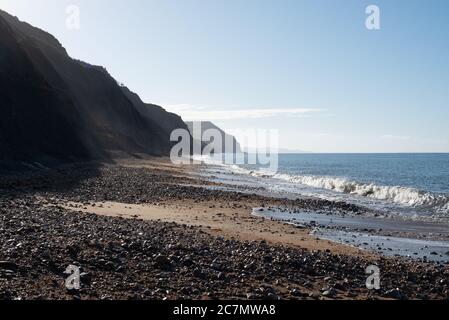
(146, 229)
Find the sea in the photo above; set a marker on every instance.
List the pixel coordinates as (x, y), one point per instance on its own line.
(414, 185)
(404, 197)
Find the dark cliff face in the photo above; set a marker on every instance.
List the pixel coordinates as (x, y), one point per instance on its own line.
(165, 120)
(55, 107)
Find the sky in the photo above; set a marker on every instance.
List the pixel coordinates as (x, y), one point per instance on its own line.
(310, 69)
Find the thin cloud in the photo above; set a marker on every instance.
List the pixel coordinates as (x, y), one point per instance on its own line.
(194, 113)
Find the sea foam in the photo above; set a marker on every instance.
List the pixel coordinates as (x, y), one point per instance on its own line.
(398, 194)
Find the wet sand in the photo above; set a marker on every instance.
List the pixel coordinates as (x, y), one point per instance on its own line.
(233, 221)
(425, 241)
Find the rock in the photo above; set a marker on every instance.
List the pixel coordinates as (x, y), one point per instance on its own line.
(134, 259)
(187, 261)
(216, 265)
(221, 276)
(296, 292)
(396, 294)
(199, 274)
(272, 296)
(7, 274)
(329, 293)
(162, 262)
(86, 278)
(314, 295)
(8, 265)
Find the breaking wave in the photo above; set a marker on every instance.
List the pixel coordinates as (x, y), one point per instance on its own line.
(398, 194)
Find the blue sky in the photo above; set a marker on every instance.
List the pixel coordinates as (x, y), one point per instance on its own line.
(310, 69)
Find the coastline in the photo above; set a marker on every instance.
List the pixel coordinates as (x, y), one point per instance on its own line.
(145, 229)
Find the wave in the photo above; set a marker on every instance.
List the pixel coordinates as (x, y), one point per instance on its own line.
(402, 195)
(398, 194)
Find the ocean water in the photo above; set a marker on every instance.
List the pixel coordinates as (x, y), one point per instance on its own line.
(412, 185)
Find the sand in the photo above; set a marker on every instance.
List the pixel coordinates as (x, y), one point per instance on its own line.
(231, 222)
